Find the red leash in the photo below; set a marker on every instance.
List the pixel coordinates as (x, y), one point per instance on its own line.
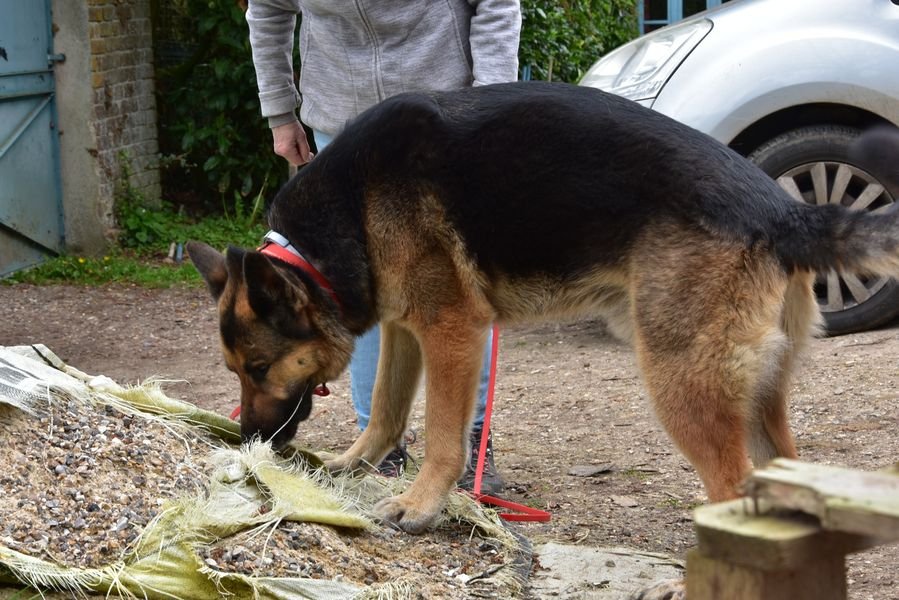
(523, 513)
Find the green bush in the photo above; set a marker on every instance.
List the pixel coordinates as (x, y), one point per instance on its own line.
(560, 40)
(142, 226)
(217, 149)
(149, 229)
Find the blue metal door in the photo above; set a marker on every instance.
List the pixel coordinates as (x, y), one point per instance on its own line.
(30, 196)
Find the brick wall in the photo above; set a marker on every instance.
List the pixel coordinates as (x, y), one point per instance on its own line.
(124, 106)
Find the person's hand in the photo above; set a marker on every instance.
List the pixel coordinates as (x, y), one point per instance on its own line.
(291, 143)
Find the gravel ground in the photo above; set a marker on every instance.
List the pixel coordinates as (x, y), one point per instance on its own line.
(81, 483)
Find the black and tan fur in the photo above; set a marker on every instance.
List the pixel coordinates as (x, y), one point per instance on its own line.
(440, 214)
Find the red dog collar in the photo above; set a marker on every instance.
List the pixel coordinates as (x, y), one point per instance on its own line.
(277, 246)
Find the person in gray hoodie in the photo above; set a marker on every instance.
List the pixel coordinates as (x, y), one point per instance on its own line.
(355, 53)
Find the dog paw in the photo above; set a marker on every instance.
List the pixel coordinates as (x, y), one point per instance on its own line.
(343, 463)
(671, 589)
(406, 515)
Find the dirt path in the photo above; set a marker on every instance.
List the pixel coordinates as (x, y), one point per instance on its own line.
(567, 396)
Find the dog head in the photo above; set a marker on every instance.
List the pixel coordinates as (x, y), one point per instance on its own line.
(277, 341)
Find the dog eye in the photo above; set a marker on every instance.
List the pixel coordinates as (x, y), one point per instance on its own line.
(258, 372)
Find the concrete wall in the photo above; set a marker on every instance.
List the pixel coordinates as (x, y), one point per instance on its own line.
(107, 112)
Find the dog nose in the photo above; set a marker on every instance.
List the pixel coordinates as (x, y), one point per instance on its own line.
(275, 433)
(278, 442)
(274, 419)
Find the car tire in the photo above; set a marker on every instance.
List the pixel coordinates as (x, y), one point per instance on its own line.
(810, 163)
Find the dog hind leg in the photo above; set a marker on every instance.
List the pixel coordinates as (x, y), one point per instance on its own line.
(768, 427)
(704, 415)
(770, 434)
(708, 337)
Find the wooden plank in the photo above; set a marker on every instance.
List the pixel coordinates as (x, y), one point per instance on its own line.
(745, 533)
(860, 502)
(710, 578)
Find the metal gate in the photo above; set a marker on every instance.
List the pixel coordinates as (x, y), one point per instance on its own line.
(30, 197)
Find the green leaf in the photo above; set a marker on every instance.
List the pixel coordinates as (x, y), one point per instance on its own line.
(211, 163)
(247, 185)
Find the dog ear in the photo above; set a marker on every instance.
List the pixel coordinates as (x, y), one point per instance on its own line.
(211, 265)
(273, 297)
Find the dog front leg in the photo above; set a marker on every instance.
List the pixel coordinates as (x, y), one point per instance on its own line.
(399, 370)
(453, 356)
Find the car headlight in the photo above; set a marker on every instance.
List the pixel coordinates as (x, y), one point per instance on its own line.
(639, 69)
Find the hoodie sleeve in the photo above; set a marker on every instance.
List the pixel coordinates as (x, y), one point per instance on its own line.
(494, 38)
(272, 32)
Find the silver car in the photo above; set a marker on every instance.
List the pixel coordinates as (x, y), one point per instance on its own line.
(790, 85)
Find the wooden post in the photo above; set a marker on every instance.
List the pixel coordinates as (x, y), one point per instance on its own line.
(711, 578)
(743, 555)
(789, 540)
(861, 502)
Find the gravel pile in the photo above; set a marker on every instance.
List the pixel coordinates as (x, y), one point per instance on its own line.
(452, 562)
(79, 483)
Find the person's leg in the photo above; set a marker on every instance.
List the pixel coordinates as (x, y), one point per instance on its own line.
(363, 368)
(491, 482)
(322, 139)
(484, 385)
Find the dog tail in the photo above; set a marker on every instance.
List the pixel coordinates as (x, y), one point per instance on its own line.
(851, 241)
(878, 150)
(832, 236)
(866, 242)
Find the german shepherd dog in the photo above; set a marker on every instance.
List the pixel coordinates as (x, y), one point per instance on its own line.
(439, 214)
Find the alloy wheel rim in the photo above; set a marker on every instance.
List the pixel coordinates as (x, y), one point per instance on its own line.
(830, 182)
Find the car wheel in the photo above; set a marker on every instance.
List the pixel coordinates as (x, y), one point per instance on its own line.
(813, 165)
